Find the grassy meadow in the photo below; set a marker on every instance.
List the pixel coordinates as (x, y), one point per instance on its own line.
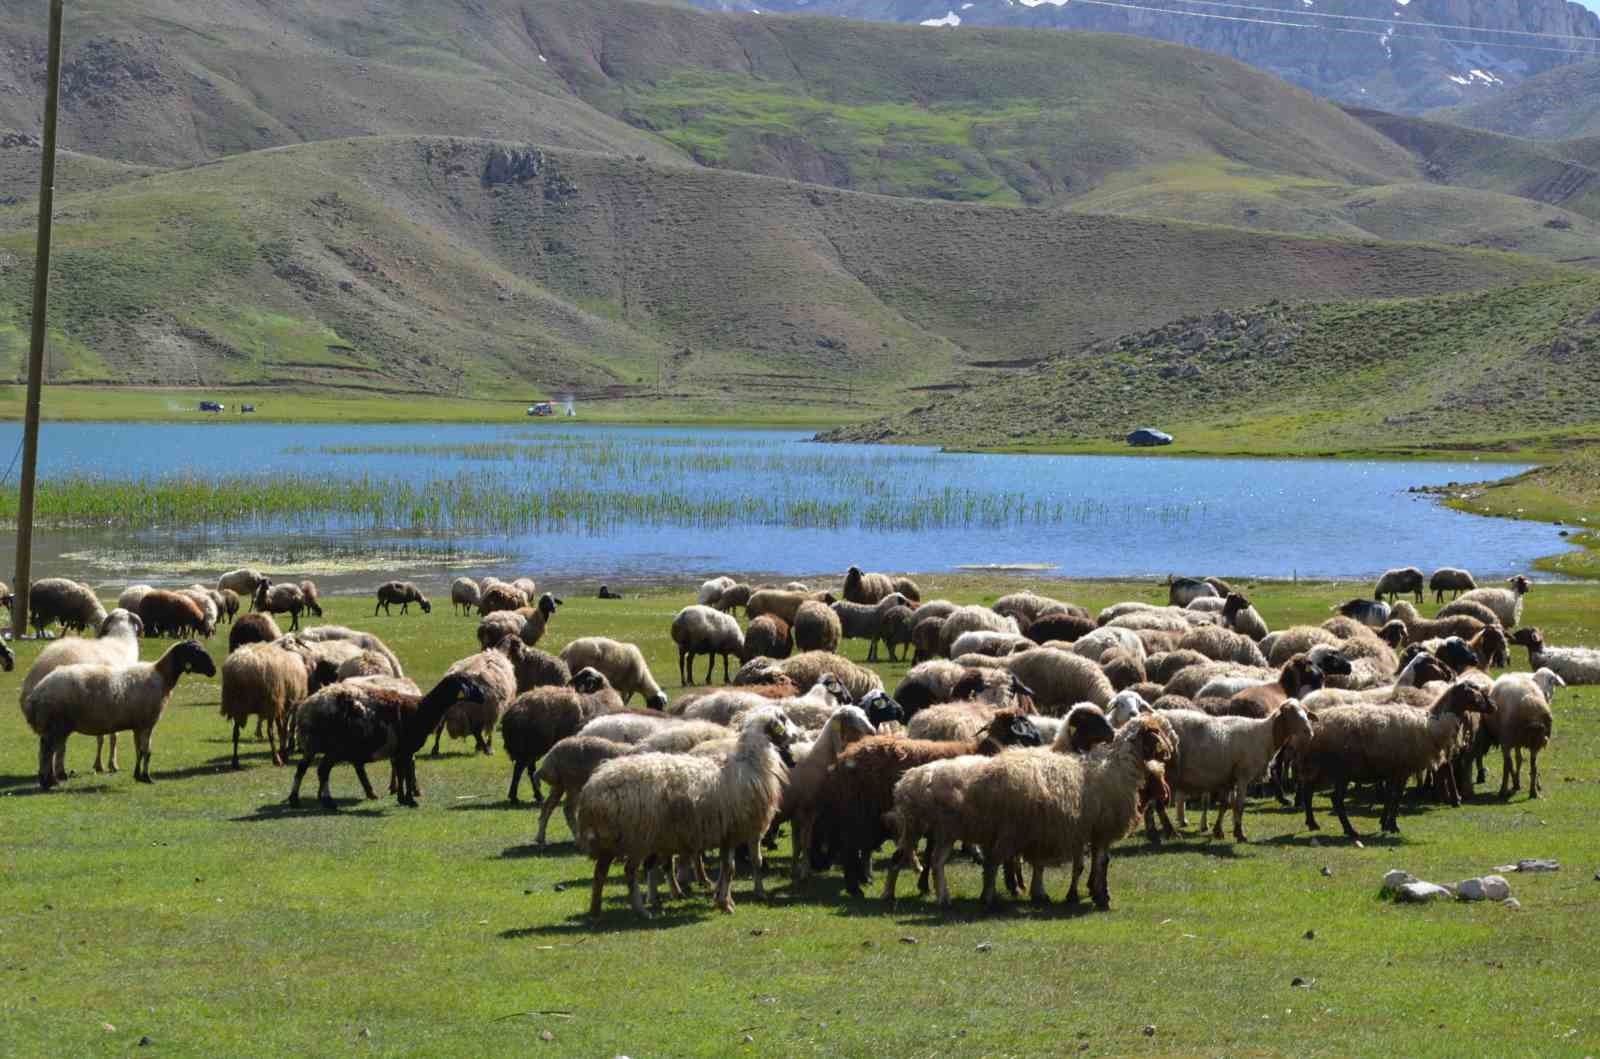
(204, 914)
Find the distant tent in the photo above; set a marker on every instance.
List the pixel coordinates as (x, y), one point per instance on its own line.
(1147, 436)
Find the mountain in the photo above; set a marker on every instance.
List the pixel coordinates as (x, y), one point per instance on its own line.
(1381, 376)
(1560, 104)
(1408, 57)
(463, 266)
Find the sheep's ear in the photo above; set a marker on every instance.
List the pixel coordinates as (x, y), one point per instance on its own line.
(1311, 715)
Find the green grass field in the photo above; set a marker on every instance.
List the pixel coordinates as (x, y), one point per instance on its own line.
(204, 914)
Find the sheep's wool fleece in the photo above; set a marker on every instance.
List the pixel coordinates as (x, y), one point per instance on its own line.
(679, 804)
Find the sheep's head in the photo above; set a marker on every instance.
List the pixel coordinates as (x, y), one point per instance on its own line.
(1520, 585)
(512, 647)
(427, 608)
(191, 657)
(1464, 697)
(836, 689)
(1291, 724)
(1528, 636)
(1086, 727)
(122, 619)
(1125, 706)
(850, 723)
(1233, 605)
(1393, 633)
(1425, 669)
(1492, 647)
(548, 604)
(1011, 727)
(659, 700)
(774, 726)
(1457, 654)
(881, 709)
(589, 680)
(1548, 680)
(461, 686)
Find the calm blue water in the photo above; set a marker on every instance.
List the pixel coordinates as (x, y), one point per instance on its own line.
(907, 508)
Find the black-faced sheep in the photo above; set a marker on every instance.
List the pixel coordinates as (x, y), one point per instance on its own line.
(703, 630)
(863, 621)
(1242, 618)
(100, 700)
(404, 593)
(541, 718)
(1452, 580)
(1370, 612)
(116, 645)
(1406, 580)
(1505, 602)
(866, 588)
(536, 619)
(622, 664)
(359, 722)
(1181, 591)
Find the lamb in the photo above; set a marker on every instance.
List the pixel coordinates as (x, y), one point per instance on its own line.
(711, 591)
(1452, 580)
(364, 640)
(817, 627)
(537, 620)
(622, 664)
(802, 788)
(253, 628)
(132, 596)
(862, 621)
(644, 807)
(805, 670)
(700, 629)
(359, 722)
(101, 699)
(566, 768)
(117, 644)
(859, 788)
(767, 637)
(539, 719)
(497, 595)
(1040, 806)
(495, 675)
(243, 581)
(733, 598)
(313, 599)
(1369, 612)
(1521, 719)
(464, 595)
(75, 606)
(783, 603)
(972, 619)
(1574, 665)
(1471, 609)
(497, 625)
(1242, 618)
(281, 599)
(1388, 744)
(266, 681)
(1224, 646)
(1398, 582)
(867, 589)
(404, 593)
(171, 614)
(1505, 602)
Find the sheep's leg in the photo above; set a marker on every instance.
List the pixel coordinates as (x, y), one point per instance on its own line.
(1506, 774)
(1150, 825)
(438, 733)
(1533, 768)
(799, 845)
(1222, 810)
(755, 870)
(652, 871)
(61, 757)
(711, 665)
(725, 881)
(602, 865)
(683, 680)
(726, 679)
(698, 867)
(366, 784)
(1238, 814)
(1166, 822)
(272, 744)
(1452, 793)
(927, 863)
(99, 742)
(1338, 807)
(546, 811)
(991, 868)
(872, 650)
(1036, 891)
(516, 780)
(1013, 876)
(905, 853)
(675, 876)
(299, 774)
(238, 726)
(1099, 890)
(1303, 796)
(111, 757)
(324, 795)
(1077, 873)
(141, 746)
(47, 762)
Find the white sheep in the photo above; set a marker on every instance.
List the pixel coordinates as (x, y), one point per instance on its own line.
(712, 590)
(645, 806)
(102, 699)
(1096, 645)
(987, 643)
(1575, 665)
(1521, 720)
(267, 681)
(622, 664)
(132, 596)
(465, 594)
(365, 640)
(702, 629)
(971, 619)
(116, 645)
(1505, 602)
(1057, 680)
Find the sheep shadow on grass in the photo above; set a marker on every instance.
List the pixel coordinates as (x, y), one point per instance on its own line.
(311, 807)
(26, 786)
(491, 805)
(616, 916)
(1183, 842)
(553, 849)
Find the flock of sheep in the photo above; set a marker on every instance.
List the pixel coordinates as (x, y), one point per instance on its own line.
(1032, 731)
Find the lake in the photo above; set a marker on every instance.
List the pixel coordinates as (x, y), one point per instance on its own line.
(578, 504)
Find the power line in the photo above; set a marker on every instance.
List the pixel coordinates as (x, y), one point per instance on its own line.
(1390, 34)
(1306, 12)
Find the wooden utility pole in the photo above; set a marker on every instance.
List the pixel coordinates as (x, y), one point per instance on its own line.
(41, 297)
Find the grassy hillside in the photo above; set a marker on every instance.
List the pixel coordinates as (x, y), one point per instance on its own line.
(1514, 368)
(416, 264)
(1559, 104)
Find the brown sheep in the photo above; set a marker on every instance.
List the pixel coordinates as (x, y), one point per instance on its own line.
(253, 628)
(816, 627)
(767, 636)
(172, 614)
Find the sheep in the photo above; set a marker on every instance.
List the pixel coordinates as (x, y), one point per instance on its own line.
(54, 599)
(537, 619)
(783, 603)
(1162, 667)
(1574, 665)
(1370, 612)
(1181, 591)
(464, 595)
(539, 719)
(1471, 609)
(622, 664)
(1227, 754)
(802, 788)
(700, 629)
(1207, 604)
(1224, 646)
(1299, 677)
(987, 643)
(1297, 640)
(1419, 628)
(230, 604)
(724, 707)
(209, 604)
(538, 669)
(132, 596)
(1422, 670)
(1242, 618)
(643, 807)
(1097, 644)
(1188, 681)
(1452, 580)
(805, 670)
(404, 593)
(1064, 627)
(497, 595)
(117, 644)
(313, 599)
(863, 621)
(364, 640)
(1388, 744)
(634, 726)
(1040, 806)
(1117, 610)
(565, 769)
(171, 614)
(497, 625)
(767, 637)
(865, 588)
(972, 619)
(253, 628)
(527, 586)
(678, 736)
(1505, 602)
(859, 788)
(958, 721)
(712, 590)
(281, 599)
(925, 638)
(933, 608)
(266, 681)
(243, 581)
(817, 627)
(494, 672)
(364, 664)
(100, 699)
(1521, 719)
(1167, 619)
(1122, 669)
(940, 681)
(896, 631)
(359, 722)
(1057, 680)
(1398, 582)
